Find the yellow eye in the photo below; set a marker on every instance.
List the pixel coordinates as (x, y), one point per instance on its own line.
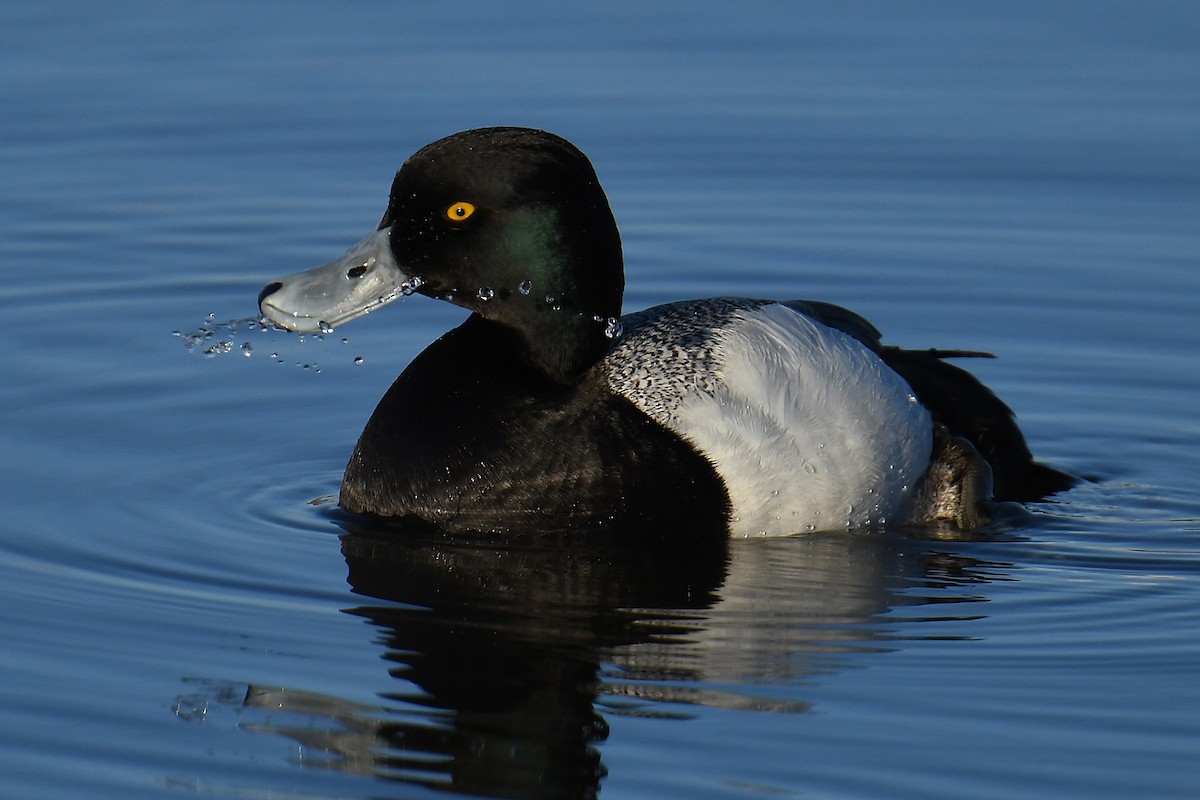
(460, 211)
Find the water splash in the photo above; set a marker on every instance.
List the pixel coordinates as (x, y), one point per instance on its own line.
(215, 338)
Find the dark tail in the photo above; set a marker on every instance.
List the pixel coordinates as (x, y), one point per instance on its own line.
(967, 408)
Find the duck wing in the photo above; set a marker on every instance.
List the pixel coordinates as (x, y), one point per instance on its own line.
(959, 401)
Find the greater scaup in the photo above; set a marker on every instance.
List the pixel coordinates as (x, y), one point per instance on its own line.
(548, 411)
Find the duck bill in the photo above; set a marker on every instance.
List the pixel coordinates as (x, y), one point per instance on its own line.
(367, 277)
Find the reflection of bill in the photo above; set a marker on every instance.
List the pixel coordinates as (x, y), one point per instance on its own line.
(509, 658)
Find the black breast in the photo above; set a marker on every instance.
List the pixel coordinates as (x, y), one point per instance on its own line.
(471, 438)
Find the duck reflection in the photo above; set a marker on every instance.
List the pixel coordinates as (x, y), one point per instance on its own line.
(509, 657)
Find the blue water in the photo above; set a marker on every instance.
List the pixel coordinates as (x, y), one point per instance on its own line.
(185, 612)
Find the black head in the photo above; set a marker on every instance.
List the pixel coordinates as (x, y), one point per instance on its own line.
(512, 223)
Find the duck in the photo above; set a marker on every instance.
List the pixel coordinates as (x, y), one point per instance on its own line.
(548, 411)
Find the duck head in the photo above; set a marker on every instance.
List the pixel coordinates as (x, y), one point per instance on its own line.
(511, 223)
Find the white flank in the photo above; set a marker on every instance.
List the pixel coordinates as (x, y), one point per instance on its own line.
(808, 428)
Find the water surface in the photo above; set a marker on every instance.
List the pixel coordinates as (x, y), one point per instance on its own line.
(186, 611)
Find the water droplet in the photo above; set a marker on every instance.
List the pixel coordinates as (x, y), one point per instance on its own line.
(247, 350)
(345, 340)
(411, 284)
(358, 359)
(553, 302)
(810, 469)
(525, 287)
(324, 326)
(486, 293)
(612, 327)
(219, 348)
